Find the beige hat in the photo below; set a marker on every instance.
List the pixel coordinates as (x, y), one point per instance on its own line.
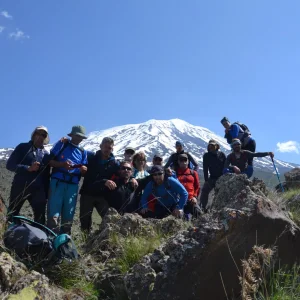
(47, 139)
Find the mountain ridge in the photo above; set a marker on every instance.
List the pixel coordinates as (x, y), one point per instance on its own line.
(159, 136)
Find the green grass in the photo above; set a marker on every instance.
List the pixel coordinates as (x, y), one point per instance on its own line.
(282, 285)
(70, 276)
(133, 248)
(289, 194)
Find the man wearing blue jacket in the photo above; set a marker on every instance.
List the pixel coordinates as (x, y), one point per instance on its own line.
(234, 131)
(68, 161)
(163, 196)
(31, 180)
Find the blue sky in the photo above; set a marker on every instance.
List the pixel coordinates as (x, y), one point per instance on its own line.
(105, 63)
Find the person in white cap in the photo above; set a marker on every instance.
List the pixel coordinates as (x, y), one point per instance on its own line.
(31, 180)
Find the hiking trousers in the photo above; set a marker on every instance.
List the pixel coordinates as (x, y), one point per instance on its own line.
(36, 197)
(248, 171)
(193, 209)
(206, 189)
(61, 205)
(87, 205)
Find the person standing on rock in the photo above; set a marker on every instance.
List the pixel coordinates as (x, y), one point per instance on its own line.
(237, 161)
(68, 161)
(31, 180)
(235, 131)
(173, 159)
(213, 162)
(163, 196)
(190, 180)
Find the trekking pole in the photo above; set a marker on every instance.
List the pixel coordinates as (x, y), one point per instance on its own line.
(282, 189)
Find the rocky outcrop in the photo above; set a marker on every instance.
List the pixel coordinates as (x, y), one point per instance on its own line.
(292, 179)
(203, 259)
(191, 264)
(17, 282)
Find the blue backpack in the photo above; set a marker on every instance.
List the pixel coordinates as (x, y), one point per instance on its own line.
(34, 243)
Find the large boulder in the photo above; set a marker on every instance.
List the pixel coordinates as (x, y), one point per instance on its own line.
(292, 178)
(17, 282)
(191, 264)
(10, 271)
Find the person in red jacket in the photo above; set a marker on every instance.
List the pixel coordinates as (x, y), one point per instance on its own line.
(190, 180)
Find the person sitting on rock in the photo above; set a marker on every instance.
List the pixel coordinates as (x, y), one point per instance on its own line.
(31, 180)
(234, 131)
(68, 161)
(237, 161)
(163, 195)
(121, 198)
(173, 159)
(139, 164)
(190, 180)
(213, 162)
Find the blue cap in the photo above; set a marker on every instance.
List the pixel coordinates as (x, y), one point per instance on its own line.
(178, 143)
(156, 169)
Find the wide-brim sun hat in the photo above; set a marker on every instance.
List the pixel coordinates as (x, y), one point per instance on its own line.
(78, 130)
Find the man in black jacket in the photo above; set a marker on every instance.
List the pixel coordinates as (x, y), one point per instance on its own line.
(121, 198)
(31, 180)
(213, 161)
(173, 159)
(102, 167)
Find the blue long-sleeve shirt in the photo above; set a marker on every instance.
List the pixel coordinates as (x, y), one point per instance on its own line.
(169, 193)
(62, 152)
(235, 132)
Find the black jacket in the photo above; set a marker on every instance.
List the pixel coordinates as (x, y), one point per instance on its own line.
(24, 155)
(98, 173)
(173, 160)
(214, 163)
(121, 196)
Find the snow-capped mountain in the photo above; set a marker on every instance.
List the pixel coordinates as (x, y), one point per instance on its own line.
(157, 136)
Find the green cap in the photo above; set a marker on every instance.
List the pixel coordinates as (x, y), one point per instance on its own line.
(78, 130)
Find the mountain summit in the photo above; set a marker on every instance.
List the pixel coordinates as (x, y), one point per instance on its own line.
(159, 136)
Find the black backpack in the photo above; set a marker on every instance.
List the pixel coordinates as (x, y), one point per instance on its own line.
(35, 244)
(244, 128)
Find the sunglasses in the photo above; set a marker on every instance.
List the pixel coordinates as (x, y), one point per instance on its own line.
(126, 169)
(158, 174)
(44, 135)
(129, 152)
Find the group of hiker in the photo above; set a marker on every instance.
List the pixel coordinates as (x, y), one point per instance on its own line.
(52, 179)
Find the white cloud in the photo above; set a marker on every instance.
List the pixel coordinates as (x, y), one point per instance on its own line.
(290, 146)
(5, 14)
(18, 35)
(1, 29)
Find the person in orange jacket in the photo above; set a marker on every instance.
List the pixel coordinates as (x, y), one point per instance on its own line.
(190, 180)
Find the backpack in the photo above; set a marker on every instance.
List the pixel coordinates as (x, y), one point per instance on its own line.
(34, 243)
(244, 128)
